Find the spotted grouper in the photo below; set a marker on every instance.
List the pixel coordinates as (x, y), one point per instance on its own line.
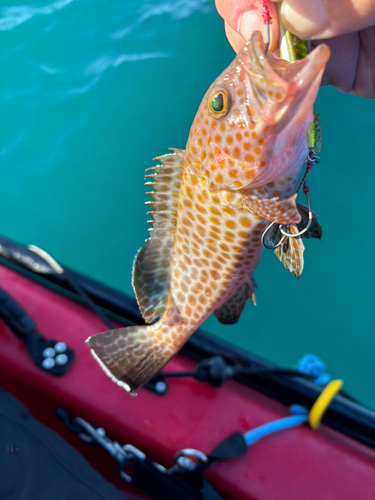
(212, 202)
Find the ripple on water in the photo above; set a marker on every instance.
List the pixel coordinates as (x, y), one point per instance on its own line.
(11, 17)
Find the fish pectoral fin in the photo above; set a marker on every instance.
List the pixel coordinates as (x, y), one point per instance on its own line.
(229, 312)
(290, 253)
(151, 269)
(132, 356)
(273, 209)
(315, 230)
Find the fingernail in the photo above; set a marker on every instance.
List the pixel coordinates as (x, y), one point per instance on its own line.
(250, 21)
(305, 19)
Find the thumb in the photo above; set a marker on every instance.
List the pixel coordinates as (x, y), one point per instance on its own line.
(326, 18)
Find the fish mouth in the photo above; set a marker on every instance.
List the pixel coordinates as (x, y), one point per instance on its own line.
(303, 72)
(274, 81)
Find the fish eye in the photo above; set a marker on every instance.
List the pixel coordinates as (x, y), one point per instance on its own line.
(219, 102)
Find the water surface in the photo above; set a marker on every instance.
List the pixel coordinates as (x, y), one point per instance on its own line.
(92, 90)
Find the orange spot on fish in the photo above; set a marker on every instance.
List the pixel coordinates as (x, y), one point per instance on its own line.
(215, 211)
(215, 274)
(229, 139)
(245, 222)
(246, 146)
(217, 138)
(224, 247)
(229, 211)
(201, 230)
(219, 178)
(257, 150)
(236, 152)
(249, 158)
(222, 126)
(230, 224)
(238, 136)
(200, 209)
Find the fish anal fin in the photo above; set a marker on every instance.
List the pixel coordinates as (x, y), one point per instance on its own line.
(290, 253)
(273, 209)
(151, 269)
(315, 230)
(229, 312)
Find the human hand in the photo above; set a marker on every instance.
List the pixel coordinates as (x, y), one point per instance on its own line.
(346, 26)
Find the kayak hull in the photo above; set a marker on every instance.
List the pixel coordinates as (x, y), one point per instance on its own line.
(294, 464)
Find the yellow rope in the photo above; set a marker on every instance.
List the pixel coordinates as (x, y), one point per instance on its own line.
(322, 403)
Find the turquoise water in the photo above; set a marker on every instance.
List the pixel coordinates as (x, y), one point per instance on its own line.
(92, 90)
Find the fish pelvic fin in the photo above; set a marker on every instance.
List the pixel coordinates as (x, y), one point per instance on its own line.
(290, 253)
(229, 313)
(151, 269)
(132, 356)
(273, 209)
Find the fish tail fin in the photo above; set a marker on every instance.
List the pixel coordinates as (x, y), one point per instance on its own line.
(132, 356)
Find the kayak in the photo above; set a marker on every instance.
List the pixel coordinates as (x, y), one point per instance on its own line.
(190, 420)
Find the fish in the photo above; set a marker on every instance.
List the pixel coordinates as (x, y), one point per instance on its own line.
(210, 205)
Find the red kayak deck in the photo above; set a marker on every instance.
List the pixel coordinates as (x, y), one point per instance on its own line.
(290, 465)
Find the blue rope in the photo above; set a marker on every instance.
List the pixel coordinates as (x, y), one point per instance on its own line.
(311, 365)
(299, 417)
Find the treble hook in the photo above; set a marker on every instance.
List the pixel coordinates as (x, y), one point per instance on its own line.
(307, 226)
(271, 247)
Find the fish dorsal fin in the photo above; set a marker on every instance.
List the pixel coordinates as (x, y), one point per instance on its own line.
(290, 253)
(151, 269)
(229, 313)
(315, 230)
(273, 209)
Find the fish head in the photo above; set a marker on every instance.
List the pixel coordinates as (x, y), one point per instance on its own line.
(257, 108)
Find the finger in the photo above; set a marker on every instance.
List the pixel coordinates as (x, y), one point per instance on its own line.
(341, 67)
(245, 17)
(320, 19)
(364, 83)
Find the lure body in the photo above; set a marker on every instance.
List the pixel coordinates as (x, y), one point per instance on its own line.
(212, 202)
